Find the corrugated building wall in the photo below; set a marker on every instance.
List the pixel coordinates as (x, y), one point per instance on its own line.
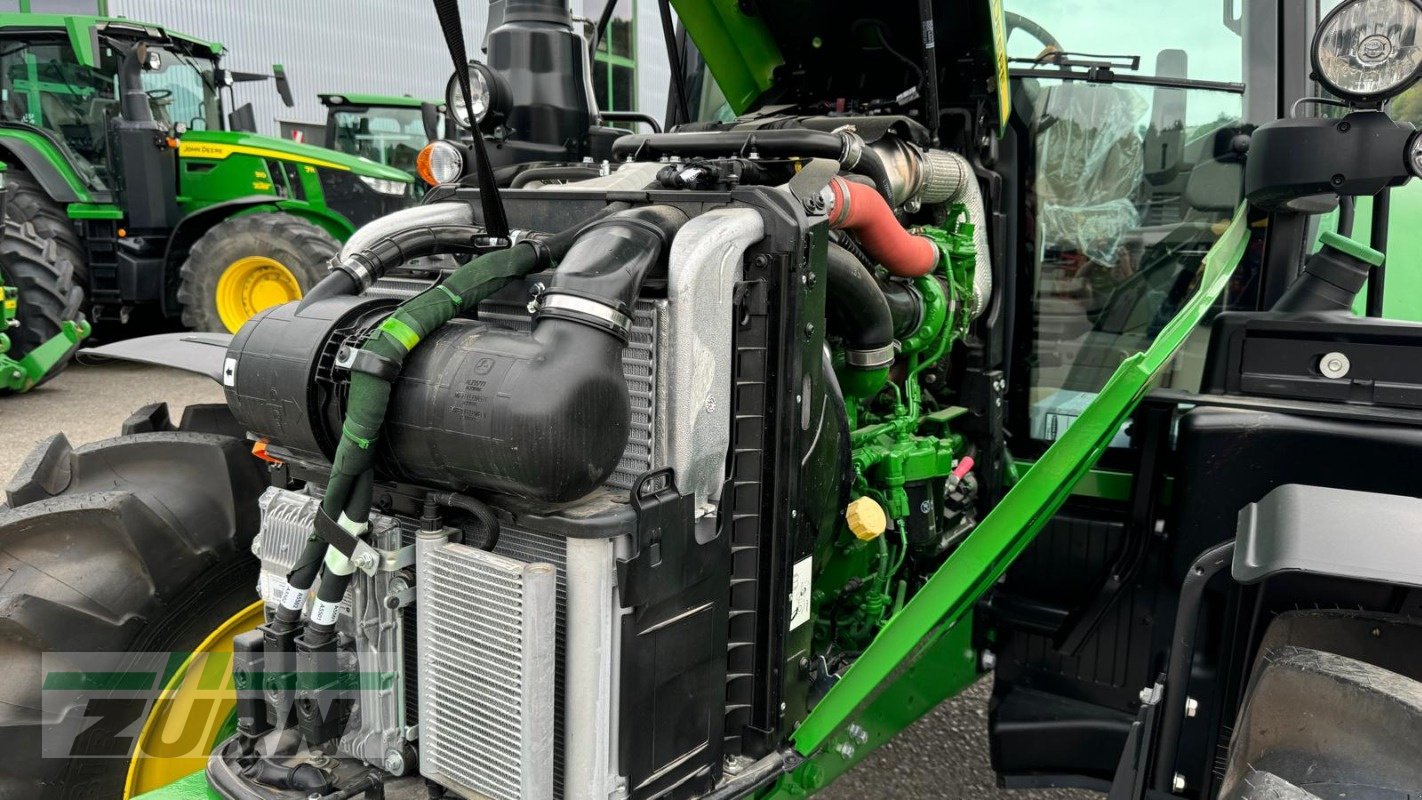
(375, 46)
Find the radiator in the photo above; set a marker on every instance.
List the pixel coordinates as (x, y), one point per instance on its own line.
(487, 669)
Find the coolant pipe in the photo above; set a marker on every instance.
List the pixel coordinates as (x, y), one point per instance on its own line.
(406, 234)
(863, 211)
(859, 315)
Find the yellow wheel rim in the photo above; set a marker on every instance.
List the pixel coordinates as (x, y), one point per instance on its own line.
(250, 284)
(183, 725)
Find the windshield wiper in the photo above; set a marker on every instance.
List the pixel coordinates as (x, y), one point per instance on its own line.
(1091, 61)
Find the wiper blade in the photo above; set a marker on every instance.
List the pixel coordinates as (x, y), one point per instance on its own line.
(1067, 59)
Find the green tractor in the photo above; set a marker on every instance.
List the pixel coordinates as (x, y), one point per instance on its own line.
(730, 451)
(140, 189)
(387, 129)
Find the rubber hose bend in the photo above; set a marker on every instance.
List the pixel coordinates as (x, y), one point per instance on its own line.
(488, 524)
(864, 211)
(858, 312)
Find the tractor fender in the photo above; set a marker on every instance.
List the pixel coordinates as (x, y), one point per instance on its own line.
(191, 228)
(17, 151)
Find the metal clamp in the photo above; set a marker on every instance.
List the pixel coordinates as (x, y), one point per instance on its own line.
(602, 312)
(868, 359)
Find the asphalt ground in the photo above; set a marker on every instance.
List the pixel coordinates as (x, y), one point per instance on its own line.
(943, 755)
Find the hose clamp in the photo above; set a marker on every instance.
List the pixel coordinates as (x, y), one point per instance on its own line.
(853, 146)
(585, 307)
(871, 359)
(359, 271)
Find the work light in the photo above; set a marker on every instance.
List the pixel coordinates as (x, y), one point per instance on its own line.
(487, 93)
(1367, 51)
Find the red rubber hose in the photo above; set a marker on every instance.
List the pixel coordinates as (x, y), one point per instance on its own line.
(862, 210)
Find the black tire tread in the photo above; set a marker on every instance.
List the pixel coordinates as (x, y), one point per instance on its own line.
(105, 551)
(45, 278)
(1325, 723)
(197, 280)
(28, 202)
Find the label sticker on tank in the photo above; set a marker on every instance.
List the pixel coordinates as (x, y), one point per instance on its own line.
(800, 592)
(229, 372)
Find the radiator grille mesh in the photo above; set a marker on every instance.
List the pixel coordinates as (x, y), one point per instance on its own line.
(639, 367)
(487, 673)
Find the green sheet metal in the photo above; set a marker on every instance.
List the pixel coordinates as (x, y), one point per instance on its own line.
(942, 606)
(737, 48)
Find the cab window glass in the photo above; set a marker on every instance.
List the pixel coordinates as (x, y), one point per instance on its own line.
(392, 136)
(1130, 182)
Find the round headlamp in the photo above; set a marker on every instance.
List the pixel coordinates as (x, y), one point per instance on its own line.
(488, 97)
(1369, 50)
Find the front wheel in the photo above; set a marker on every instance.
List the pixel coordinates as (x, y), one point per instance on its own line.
(249, 263)
(112, 556)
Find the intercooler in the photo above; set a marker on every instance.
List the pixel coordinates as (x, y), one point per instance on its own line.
(486, 644)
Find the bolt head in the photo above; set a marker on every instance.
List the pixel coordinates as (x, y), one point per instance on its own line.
(845, 750)
(1192, 706)
(1334, 365)
(1177, 783)
(394, 762)
(988, 660)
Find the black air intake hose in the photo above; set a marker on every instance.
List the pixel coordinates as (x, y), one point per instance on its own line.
(543, 415)
(858, 313)
(846, 148)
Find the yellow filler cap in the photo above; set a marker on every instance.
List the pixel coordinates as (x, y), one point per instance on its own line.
(866, 519)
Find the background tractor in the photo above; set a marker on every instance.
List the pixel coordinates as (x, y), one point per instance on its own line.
(387, 129)
(127, 165)
(714, 466)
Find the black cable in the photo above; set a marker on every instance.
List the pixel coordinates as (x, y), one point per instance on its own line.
(1382, 208)
(674, 61)
(602, 23)
(878, 27)
(1347, 209)
(930, 63)
(495, 220)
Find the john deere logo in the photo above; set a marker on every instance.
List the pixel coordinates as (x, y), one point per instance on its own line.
(483, 365)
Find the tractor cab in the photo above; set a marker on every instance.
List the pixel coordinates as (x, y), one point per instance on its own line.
(126, 153)
(386, 129)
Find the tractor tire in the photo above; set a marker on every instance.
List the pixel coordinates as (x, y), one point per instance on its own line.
(137, 544)
(247, 263)
(1333, 709)
(27, 202)
(39, 268)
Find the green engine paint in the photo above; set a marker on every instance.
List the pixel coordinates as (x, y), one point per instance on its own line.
(896, 445)
(918, 651)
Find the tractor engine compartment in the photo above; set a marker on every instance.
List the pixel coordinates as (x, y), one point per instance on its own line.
(636, 510)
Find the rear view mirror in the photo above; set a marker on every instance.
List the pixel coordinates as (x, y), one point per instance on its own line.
(430, 116)
(243, 119)
(283, 86)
